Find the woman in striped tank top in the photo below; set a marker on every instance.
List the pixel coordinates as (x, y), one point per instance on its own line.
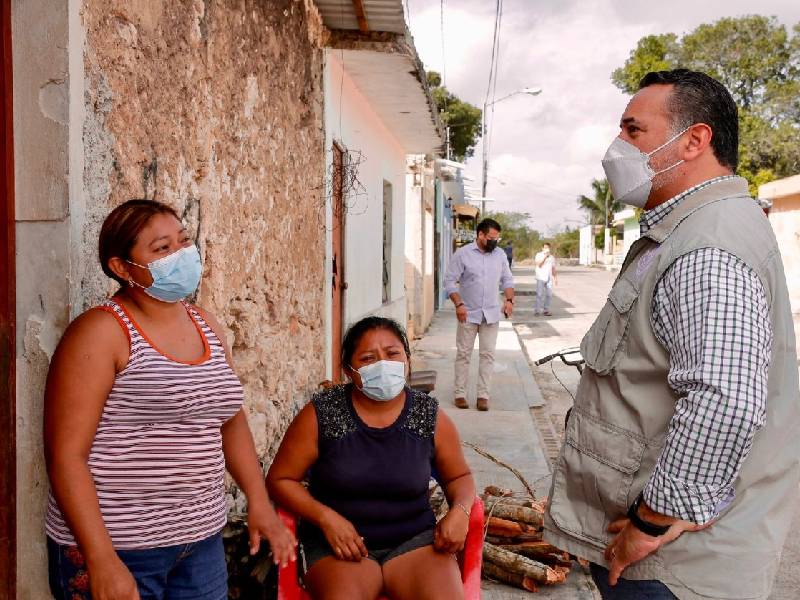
(143, 413)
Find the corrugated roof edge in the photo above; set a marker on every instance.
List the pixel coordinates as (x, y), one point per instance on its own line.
(390, 43)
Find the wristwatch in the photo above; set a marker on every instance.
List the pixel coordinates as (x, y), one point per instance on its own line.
(510, 300)
(645, 527)
(459, 305)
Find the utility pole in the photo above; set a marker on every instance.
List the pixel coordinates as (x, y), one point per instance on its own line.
(484, 160)
(531, 91)
(448, 142)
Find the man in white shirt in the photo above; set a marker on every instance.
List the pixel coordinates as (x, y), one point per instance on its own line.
(545, 279)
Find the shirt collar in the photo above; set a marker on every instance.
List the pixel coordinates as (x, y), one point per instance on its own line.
(651, 218)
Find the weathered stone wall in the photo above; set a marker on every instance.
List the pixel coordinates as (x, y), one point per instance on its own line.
(215, 107)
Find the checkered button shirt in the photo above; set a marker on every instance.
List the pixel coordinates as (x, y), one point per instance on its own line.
(710, 312)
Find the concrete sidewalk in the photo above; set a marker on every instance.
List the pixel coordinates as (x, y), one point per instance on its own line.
(507, 430)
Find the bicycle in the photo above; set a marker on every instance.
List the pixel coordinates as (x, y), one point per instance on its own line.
(568, 356)
(578, 362)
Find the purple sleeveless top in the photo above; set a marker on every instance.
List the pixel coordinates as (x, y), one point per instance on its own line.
(377, 478)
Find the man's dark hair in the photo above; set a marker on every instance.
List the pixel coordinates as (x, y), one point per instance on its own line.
(357, 331)
(487, 224)
(698, 98)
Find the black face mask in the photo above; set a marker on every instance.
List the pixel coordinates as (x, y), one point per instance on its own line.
(490, 245)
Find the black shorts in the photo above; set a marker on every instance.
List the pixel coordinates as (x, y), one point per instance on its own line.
(314, 547)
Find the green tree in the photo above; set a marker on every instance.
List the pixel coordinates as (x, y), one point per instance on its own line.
(463, 119)
(517, 230)
(596, 206)
(759, 62)
(566, 244)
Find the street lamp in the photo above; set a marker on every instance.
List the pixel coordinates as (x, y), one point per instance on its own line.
(530, 91)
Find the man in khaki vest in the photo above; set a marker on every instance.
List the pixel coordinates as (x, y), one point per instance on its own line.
(680, 468)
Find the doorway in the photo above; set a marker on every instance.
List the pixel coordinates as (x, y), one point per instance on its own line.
(338, 285)
(8, 474)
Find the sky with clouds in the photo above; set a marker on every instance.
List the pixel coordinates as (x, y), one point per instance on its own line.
(546, 149)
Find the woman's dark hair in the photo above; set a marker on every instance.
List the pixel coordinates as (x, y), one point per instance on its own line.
(698, 98)
(357, 331)
(487, 224)
(123, 225)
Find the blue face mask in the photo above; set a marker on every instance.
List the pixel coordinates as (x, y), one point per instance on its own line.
(383, 380)
(175, 276)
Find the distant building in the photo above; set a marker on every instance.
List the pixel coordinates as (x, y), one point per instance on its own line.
(784, 215)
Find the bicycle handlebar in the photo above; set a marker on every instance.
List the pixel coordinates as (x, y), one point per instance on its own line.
(563, 354)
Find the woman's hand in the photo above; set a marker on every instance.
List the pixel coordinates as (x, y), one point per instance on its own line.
(111, 580)
(451, 531)
(342, 537)
(264, 522)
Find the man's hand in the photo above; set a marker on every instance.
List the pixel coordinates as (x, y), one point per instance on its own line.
(631, 545)
(508, 308)
(461, 313)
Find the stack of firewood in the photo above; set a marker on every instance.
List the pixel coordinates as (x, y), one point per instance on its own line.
(514, 552)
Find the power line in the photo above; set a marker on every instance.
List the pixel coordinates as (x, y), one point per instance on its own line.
(496, 69)
(441, 28)
(494, 48)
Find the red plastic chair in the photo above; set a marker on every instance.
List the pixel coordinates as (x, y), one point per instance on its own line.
(469, 560)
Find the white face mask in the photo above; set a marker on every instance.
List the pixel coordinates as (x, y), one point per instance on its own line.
(629, 172)
(383, 380)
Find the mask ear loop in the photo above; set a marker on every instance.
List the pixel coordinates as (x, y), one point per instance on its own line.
(353, 379)
(669, 141)
(131, 282)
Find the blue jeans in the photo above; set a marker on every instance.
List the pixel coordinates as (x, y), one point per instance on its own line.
(195, 571)
(544, 293)
(629, 589)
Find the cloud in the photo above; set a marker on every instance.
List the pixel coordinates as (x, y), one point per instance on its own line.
(553, 141)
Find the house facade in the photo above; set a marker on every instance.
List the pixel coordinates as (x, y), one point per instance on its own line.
(248, 119)
(784, 216)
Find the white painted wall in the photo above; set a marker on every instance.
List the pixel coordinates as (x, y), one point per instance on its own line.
(784, 216)
(352, 122)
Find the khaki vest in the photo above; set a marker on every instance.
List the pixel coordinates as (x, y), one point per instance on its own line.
(624, 404)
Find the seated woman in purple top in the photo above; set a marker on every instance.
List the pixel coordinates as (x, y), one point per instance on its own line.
(369, 449)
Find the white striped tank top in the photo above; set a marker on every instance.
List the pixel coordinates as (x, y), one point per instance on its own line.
(156, 458)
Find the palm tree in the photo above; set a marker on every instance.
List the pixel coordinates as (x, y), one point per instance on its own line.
(596, 206)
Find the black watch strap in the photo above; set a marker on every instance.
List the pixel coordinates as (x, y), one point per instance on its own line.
(650, 529)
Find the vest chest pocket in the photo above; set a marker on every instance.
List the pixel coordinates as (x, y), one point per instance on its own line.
(602, 345)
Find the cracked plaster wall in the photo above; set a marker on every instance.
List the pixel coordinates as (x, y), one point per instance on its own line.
(216, 108)
(40, 101)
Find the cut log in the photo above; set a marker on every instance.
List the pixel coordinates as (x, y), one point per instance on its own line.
(506, 528)
(492, 571)
(494, 490)
(541, 551)
(523, 566)
(519, 514)
(489, 501)
(532, 548)
(533, 536)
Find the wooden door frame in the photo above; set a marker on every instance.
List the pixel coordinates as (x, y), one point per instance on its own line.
(8, 470)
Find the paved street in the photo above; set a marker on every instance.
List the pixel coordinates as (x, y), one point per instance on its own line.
(506, 431)
(577, 299)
